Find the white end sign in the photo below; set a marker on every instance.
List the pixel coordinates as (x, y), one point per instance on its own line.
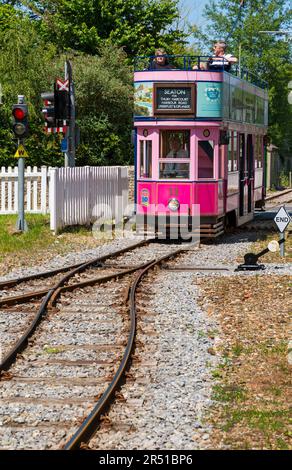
(282, 219)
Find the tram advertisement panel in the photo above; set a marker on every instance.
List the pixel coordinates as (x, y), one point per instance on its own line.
(209, 102)
(143, 95)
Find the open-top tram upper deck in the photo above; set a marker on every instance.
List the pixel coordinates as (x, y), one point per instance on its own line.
(199, 140)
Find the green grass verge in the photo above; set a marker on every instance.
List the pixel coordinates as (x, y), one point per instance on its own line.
(38, 235)
(39, 238)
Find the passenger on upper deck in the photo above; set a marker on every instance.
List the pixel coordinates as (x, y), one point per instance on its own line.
(220, 60)
(161, 61)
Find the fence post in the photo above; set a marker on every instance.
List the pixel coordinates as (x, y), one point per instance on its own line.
(3, 189)
(35, 189)
(27, 180)
(9, 192)
(44, 178)
(125, 186)
(15, 190)
(53, 199)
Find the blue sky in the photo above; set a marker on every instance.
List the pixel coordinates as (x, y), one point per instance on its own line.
(194, 10)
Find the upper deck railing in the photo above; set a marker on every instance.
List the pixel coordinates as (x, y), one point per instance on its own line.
(199, 64)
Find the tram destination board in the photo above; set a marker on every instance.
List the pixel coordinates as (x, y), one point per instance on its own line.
(174, 99)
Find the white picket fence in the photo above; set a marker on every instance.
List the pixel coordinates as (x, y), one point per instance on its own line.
(36, 190)
(72, 196)
(80, 196)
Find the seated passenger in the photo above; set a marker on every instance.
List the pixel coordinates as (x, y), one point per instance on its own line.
(220, 60)
(160, 62)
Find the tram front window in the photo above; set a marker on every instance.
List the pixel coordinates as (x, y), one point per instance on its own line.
(174, 145)
(174, 171)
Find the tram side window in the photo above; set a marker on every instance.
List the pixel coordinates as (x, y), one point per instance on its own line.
(235, 155)
(256, 151)
(259, 157)
(230, 152)
(205, 159)
(145, 158)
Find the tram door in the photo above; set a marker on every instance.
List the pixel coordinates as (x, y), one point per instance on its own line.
(250, 171)
(246, 174)
(242, 176)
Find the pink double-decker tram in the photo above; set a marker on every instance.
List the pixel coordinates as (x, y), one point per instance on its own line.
(199, 142)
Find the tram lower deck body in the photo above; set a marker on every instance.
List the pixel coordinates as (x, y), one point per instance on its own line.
(197, 208)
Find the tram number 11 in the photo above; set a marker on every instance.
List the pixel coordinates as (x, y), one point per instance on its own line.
(173, 191)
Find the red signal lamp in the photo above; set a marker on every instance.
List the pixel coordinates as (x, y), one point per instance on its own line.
(19, 114)
(20, 125)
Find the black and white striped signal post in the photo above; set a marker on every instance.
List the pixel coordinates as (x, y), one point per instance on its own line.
(70, 134)
(59, 113)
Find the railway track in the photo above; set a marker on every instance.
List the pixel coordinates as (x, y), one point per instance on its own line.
(29, 299)
(284, 198)
(70, 368)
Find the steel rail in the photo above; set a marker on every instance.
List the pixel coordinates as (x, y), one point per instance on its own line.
(53, 272)
(276, 196)
(89, 425)
(22, 342)
(7, 301)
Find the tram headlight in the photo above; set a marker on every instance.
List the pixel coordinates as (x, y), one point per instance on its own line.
(173, 205)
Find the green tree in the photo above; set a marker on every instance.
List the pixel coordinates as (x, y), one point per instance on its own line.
(268, 56)
(105, 104)
(29, 65)
(25, 68)
(136, 25)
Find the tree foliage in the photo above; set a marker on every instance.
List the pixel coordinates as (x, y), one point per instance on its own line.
(99, 37)
(29, 65)
(138, 26)
(268, 56)
(25, 68)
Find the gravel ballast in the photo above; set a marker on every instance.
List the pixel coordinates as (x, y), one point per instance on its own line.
(164, 404)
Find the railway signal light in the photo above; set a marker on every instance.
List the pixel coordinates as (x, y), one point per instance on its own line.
(20, 120)
(56, 108)
(49, 109)
(62, 105)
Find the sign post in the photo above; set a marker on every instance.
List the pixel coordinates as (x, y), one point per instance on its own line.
(70, 134)
(21, 225)
(282, 221)
(20, 129)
